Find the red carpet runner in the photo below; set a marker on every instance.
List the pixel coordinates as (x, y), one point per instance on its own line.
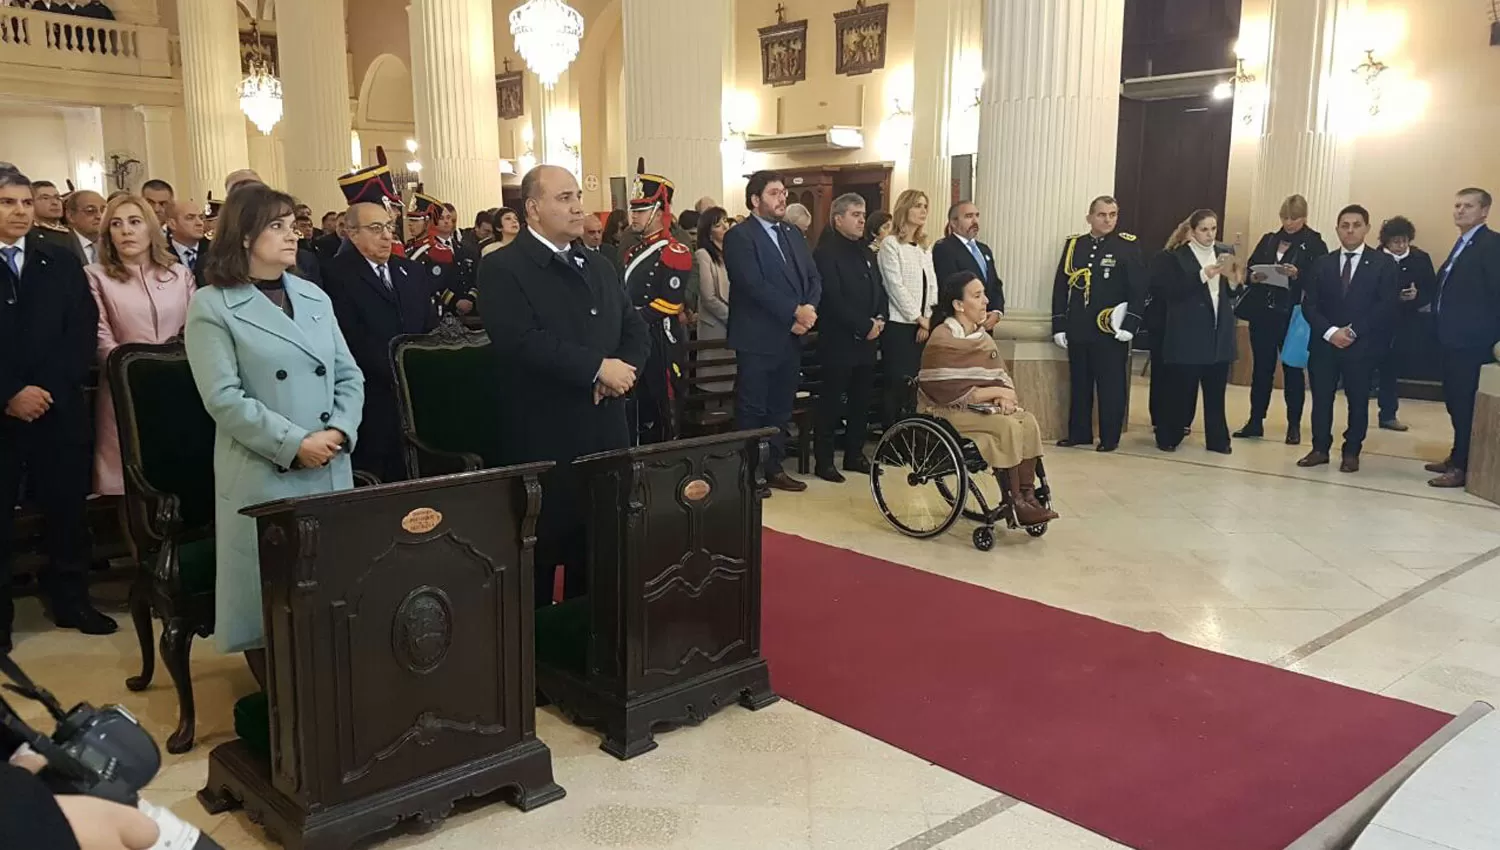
(1155, 744)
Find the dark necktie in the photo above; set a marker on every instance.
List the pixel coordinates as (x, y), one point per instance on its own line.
(10, 252)
(385, 278)
(1348, 276)
(786, 252)
(189, 257)
(1447, 268)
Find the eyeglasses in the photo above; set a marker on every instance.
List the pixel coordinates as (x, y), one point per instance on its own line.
(377, 227)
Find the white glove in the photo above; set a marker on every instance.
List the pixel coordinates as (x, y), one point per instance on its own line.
(1124, 335)
(1061, 340)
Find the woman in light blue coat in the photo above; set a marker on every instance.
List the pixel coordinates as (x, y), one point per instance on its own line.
(275, 374)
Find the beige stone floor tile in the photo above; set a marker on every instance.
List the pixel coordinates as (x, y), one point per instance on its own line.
(752, 828)
(863, 829)
(1027, 827)
(1243, 554)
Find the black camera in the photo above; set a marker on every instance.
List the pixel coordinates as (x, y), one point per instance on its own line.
(101, 752)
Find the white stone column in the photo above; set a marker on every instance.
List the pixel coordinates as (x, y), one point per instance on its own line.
(457, 123)
(315, 80)
(1048, 122)
(676, 120)
(939, 36)
(161, 152)
(209, 30)
(1305, 143)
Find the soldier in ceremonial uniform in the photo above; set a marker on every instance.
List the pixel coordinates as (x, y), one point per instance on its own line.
(48, 226)
(449, 266)
(1097, 299)
(658, 275)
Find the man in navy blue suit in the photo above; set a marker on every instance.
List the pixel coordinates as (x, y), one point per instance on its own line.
(775, 292)
(1468, 323)
(1351, 304)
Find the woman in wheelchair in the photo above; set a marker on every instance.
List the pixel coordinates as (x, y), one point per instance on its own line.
(963, 380)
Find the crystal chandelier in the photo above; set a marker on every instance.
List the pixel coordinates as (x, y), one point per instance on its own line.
(547, 33)
(260, 91)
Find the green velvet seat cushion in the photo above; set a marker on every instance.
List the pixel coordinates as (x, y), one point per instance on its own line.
(452, 398)
(175, 435)
(252, 723)
(195, 566)
(562, 635)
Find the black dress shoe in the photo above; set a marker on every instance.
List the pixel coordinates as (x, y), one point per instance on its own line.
(1222, 450)
(857, 463)
(828, 473)
(764, 492)
(1294, 434)
(85, 618)
(1165, 447)
(782, 481)
(1102, 447)
(1350, 463)
(1313, 458)
(1253, 428)
(1068, 444)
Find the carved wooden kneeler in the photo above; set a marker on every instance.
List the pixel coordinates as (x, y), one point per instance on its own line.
(399, 643)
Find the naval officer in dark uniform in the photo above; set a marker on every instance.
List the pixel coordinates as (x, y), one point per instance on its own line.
(1099, 277)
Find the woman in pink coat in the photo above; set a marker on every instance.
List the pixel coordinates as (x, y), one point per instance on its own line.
(143, 294)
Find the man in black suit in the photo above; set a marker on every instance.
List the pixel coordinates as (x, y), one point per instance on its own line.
(1468, 323)
(185, 229)
(1351, 305)
(963, 252)
(377, 297)
(776, 293)
(566, 346)
(159, 194)
(854, 309)
(48, 329)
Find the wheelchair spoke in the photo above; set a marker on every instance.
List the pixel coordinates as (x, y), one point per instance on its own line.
(920, 481)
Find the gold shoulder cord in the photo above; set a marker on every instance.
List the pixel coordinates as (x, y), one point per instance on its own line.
(1085, 274)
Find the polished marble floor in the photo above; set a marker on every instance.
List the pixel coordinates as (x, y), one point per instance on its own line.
(1373, 580)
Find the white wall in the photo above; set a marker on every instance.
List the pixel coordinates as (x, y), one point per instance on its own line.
(30, 139)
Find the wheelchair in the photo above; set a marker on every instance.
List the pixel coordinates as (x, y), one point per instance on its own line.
(924, 475)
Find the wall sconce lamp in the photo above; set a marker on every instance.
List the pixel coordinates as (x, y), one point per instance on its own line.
(1240, 80)
(1369, 71)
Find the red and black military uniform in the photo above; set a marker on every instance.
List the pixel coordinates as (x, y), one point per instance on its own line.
(658, 273)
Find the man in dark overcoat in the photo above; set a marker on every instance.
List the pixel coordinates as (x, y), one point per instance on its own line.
(567, 346)
(853, 306)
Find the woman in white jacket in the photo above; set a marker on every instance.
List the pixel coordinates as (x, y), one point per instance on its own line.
(911, 284)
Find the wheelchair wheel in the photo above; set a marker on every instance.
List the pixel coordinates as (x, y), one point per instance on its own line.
(984, 538)
(1036, 530)
(918, 478)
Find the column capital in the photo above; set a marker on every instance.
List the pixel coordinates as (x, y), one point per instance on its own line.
(151, 113)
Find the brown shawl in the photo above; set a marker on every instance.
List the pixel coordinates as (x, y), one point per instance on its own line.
(955, 364)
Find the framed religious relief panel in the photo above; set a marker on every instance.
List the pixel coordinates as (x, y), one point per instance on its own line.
(783, 51)
(510, 94)
(859, 39)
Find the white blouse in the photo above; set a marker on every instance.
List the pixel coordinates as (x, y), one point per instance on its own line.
(1207, 257)
(910, 282)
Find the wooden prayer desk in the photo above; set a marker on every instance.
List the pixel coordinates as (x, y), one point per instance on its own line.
(399, 642)
(669, 631)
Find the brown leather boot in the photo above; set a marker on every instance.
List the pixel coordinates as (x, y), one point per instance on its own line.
(1028, 511)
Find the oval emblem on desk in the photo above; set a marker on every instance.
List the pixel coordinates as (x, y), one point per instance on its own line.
(696, 490)
(422, 630)
(421, 520)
